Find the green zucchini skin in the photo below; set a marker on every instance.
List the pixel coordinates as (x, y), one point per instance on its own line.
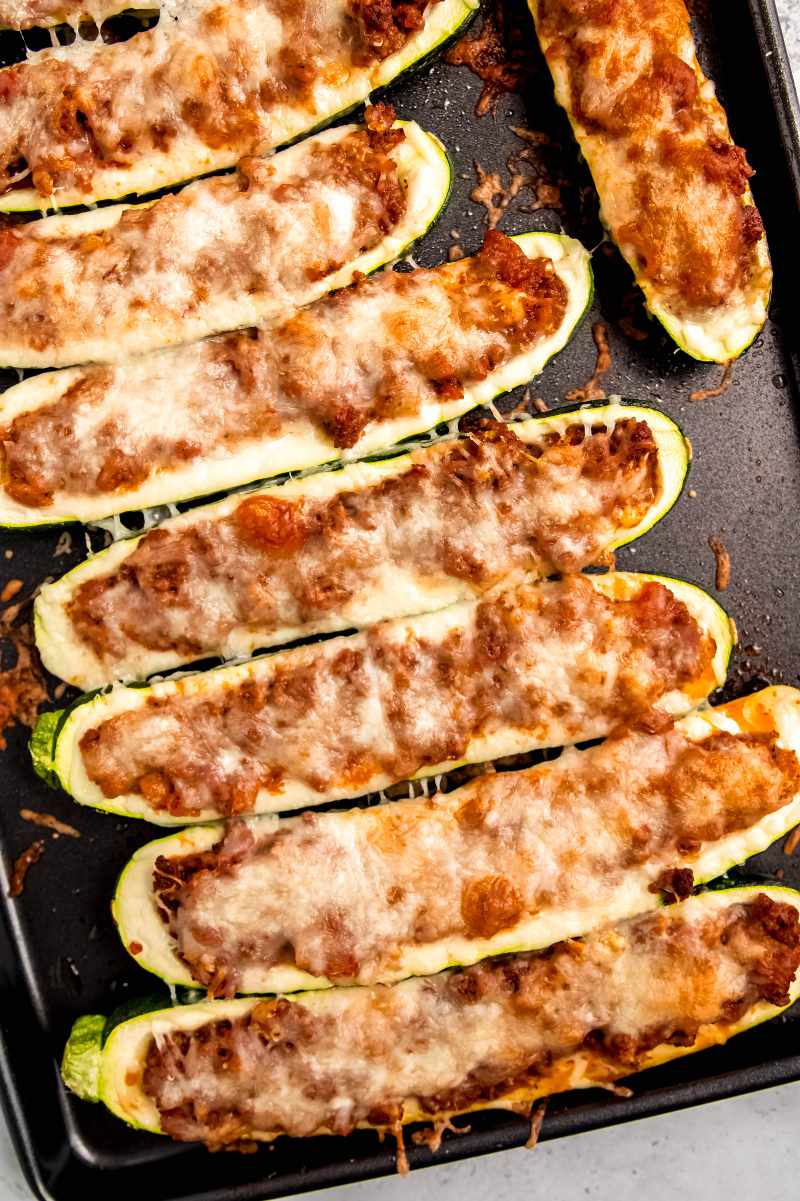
(54, 746)
(97, 1060)
(65, 656)
(138, 922)
(318, 451)
(414, 56)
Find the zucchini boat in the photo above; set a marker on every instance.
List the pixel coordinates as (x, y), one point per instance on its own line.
(526, 667)
(544, 496)
(494, 1036)
(512, 861)
(209, 85)
(351, 374)
(673, 187)
(224, 253)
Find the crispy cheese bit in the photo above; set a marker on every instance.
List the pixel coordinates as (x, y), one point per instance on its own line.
(208, 85)
(460, 517)
(385, 349)
(195, 262)
(553, 661)
(512, 1028)
(344, 895)
(673, 187)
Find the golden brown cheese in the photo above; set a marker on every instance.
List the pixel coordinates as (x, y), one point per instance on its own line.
(389, 702)
(671, 182)
(173, 270)
(445, 1043)
(473, 510)
(240, 76)
(343, 895)
(380, 350)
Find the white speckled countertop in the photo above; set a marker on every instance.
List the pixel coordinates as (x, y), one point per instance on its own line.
(744, 1148)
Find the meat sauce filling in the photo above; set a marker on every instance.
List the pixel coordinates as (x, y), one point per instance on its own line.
(474, 510)
(451, 1041)
(422, 338)
(255, 234)
(342, 894)
(228, 76)
(662, 140)
(552, 661)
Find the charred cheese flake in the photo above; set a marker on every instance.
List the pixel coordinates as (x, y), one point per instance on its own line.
(380, 350)
(671, 182)
(442, 1044)
(22, 865)
(234, 78)
(467, 512)
(352, 714)
(163, 272)
(342, 894)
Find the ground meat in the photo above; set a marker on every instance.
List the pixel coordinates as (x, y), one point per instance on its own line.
(421, 338)
(473, 511)
(385, 25)
(343, 717)
(671, 182)
(330, 1060)
(240, 77)
(562, 836)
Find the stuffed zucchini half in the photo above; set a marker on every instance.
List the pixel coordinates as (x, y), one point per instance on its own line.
(544, 496)
(224, 253)
(512, 861)
(349, 375)
(495, 1036)
(208, 86)
(530, 666)
(673, 187)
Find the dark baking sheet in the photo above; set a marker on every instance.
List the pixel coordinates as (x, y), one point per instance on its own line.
(59, 955)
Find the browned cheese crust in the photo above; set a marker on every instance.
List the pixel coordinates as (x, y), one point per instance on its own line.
(470, 1037)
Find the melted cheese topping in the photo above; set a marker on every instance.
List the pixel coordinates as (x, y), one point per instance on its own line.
(531, 666)
(673, 187)
(333, 1060)
(209, 85)
(351, 374)
(344, 896)
(26, 14)
(222, 253)
(344, 550)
